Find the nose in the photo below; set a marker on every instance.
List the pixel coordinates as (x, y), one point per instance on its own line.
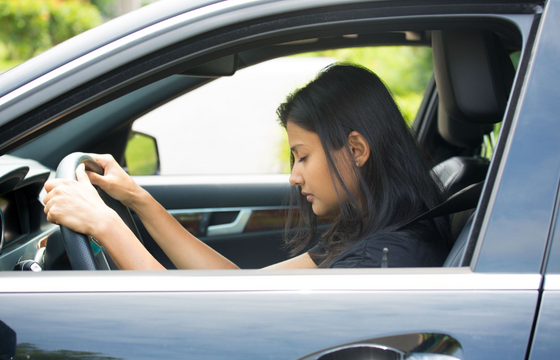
(295, 177)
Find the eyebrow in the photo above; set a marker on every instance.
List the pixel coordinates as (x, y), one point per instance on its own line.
(295, 146)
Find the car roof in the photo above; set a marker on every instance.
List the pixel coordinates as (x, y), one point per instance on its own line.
(95, 38)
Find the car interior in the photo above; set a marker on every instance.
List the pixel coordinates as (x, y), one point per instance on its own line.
(463, 105)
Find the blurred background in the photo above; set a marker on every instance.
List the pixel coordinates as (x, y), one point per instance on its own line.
(29, 27)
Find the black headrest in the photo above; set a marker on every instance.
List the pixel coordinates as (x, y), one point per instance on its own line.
(473, 74)
(459, 133)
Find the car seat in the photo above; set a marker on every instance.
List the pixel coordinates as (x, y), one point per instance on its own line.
(474, 75)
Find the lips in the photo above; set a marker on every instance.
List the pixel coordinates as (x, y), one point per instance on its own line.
(309, 197)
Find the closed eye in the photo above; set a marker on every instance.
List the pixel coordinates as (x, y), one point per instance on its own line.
(302, 159)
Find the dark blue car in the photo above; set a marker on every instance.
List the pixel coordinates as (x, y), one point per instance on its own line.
(497, 297)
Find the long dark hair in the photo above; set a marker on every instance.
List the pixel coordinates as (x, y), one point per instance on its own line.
(395, 183)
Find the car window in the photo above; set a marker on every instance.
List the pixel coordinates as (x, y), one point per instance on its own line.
(234, 118)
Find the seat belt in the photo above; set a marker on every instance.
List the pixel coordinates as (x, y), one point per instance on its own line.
(463, 200)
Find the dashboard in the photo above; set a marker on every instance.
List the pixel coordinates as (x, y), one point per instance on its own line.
(24, 227)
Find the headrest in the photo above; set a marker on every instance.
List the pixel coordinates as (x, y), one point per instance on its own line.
(473, 74)
(459, 133)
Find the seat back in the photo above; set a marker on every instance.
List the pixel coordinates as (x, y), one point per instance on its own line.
(459, 172)
(474, 75)
(455, 257)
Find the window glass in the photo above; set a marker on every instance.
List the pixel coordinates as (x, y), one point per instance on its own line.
(230, 126)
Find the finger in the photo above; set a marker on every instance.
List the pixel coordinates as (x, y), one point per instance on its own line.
(95, 178)
(51, 218)
(47, 207)
(51, 184)
(47, 199)
(103, 159)
(81, 175)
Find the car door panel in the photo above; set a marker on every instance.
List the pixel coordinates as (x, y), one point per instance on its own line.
(545, 342)
(242, 221)
(248, 250)
(272, 315)
(547, 325)
(184, 192)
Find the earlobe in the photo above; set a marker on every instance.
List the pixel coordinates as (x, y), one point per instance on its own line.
(359, 147)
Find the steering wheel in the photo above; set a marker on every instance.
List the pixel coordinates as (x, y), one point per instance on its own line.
(78, 248)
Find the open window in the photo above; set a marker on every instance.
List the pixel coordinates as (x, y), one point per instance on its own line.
(204, 203)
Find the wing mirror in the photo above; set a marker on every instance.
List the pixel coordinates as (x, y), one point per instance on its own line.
(142, 155)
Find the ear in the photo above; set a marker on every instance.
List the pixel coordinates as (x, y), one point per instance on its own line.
(359, 147)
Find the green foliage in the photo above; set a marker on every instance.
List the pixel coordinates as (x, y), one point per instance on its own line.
(107, 8)
(404, 69)
(70, 18)
(515, 57)
(24, 28)
(31, 26)
(4, 63)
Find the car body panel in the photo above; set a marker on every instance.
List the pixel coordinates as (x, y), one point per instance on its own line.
(528, 178)
(545, 344)
(226, 316)
(490, 307)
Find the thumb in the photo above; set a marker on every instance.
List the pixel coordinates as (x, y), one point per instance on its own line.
(81, 175)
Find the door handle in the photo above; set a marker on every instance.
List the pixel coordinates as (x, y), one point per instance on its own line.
(235, 227)
(361, 351)
(358, 352)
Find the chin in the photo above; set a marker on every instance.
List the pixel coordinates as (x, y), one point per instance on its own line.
(320, 211)
(316, 210)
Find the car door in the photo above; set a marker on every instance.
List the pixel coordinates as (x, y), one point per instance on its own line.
(547, 323)
(484, 309)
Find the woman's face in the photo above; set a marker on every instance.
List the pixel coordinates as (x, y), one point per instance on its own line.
(311, 170)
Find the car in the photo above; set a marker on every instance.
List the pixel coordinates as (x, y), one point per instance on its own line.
(498, 295)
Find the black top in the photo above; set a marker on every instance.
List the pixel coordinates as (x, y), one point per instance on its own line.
(417, 246)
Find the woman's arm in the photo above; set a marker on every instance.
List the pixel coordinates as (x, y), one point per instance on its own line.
(302, 261)
(77, 205)
(182, 248)
(124, 248)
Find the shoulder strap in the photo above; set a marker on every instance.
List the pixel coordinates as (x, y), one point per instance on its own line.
(463, 200)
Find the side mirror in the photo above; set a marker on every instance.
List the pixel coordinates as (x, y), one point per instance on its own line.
(142, 155)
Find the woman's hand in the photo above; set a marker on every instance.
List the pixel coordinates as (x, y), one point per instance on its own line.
(115, 181)
(76, 204)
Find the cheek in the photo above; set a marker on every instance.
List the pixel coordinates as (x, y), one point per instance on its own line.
(350, 177)
(324, 187)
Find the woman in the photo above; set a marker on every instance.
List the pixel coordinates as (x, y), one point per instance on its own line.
(353, 158)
